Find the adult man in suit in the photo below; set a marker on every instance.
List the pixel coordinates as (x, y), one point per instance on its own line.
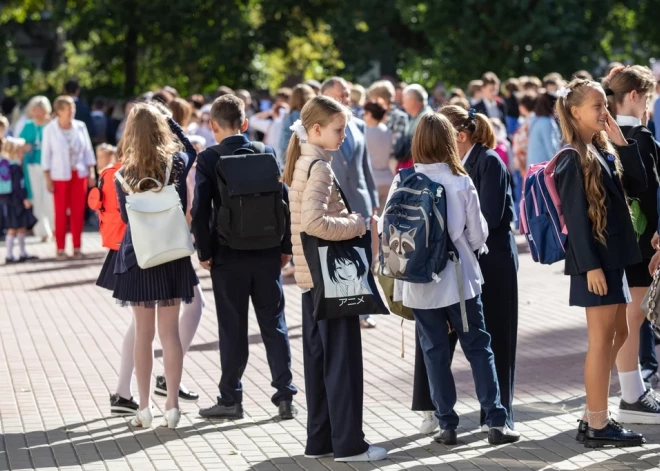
(351, 163)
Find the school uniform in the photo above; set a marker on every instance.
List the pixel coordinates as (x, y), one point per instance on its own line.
(583, 251)
(237, 277)
(16, 215)
(167, 283)
(649, 150)
(493, 109)
(434, 305)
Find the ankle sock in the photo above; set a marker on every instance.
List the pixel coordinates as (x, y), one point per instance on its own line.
(10, 246)
(598, 420)
(21, 245)
(632, 385)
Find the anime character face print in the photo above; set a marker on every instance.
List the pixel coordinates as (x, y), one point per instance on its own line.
(346, 273)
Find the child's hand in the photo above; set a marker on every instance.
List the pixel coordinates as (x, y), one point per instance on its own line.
(27, 204)
(655, 263)
(596, 282)
(655, 241)
(614, 131)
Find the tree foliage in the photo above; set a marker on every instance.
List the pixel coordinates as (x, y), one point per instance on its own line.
(122, 47)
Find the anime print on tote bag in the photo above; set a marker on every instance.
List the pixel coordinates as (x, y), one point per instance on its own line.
(343, 283)
(159, 230)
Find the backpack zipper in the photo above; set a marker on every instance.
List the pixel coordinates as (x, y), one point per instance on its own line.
(426, 219)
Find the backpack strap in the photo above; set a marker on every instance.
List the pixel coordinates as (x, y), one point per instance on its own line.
(334, 180)
(159, 185)
(405, 173)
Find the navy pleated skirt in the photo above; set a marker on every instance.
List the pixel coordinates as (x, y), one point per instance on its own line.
(18, 217)
(617, 290)
(107, 278)
(163, 285)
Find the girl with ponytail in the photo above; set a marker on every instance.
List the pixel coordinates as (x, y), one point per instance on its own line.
(601, 242)
(629, 91)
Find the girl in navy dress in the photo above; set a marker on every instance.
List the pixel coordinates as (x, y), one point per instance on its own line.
(629, 91)
(18, 217)
(148, 149)
(601, 243)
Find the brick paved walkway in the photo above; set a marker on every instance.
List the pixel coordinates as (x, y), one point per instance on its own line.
(60, 337)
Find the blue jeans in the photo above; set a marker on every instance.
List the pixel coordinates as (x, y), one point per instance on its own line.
(433, 337)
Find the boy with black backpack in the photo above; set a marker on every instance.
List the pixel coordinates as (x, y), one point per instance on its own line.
(240, 220)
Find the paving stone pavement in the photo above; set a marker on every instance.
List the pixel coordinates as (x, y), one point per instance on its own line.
(60, 338)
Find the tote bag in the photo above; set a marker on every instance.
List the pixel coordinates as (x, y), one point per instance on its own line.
(159, 230)
(343, 283)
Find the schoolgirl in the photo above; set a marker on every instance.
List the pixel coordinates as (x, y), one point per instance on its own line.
(18, 217)
(332, 348)
(629, 92)
(601, 243)
(149, 148)
(476, 141)
(435, 154)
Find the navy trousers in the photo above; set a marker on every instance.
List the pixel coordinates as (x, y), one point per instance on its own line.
(332, 354)
(433, 337)
(647, 357)
(234, 283)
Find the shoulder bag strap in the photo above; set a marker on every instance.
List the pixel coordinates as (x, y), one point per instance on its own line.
(122, 182)
(336, 183)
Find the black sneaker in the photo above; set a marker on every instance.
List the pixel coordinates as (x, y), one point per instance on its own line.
(502, 435)
(613, 434)
(583, 426)
(446, 437)
(287, 410)
(121, 406)
(184, 394)
(221, 411)
(645, 411)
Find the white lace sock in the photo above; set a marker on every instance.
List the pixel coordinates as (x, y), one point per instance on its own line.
(632, 385)
(21, 244)
(190, 317)
(126, 363)
(598, 420)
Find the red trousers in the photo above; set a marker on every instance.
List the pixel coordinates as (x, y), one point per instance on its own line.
(69, 197)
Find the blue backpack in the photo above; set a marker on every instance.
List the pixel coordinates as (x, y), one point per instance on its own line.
(5, 177)
(415, 244)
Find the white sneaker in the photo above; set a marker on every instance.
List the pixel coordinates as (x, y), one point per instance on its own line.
(171, 418)
(143, 418)
(374, 453)
(651, 379)
(429, 424)
(484, 428)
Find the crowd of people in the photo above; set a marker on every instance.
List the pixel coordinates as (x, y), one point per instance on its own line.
(341, 150)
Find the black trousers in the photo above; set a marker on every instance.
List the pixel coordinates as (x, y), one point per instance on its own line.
(234, 283)
(332, 353)
(500, 299)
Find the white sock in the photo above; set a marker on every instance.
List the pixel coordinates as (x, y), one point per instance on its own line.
(10, 246)
(632, 385)
(191, 315)
(126, 363)
(21, 244)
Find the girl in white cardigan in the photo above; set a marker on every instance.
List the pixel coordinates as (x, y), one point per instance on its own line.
(435, 304)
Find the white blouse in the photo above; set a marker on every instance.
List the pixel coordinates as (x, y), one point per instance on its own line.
(61, 155)
(467, 229)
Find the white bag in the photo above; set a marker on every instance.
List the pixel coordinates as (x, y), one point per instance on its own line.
(159, 230)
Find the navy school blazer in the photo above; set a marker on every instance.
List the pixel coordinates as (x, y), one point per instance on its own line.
(583, 251)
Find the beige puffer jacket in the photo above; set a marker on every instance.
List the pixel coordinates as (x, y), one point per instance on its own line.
(317, 209)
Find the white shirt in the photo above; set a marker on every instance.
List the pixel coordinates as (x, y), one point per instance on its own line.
(272, 128)
(56, 156)
(492, 109)
(628, 121)
(467, 229)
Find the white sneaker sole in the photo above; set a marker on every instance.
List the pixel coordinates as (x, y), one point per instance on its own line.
(318, 457)
(429, 428)
(364, 457)
(640, 418)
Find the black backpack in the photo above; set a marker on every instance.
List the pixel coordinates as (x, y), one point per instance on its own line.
(252, 213)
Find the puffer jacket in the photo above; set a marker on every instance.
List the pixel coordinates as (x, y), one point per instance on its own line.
(317, 208)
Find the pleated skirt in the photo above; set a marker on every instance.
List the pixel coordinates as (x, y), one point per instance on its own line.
(107, 278)
(163, 285)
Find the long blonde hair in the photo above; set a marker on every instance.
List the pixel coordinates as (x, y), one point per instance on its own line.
(147, 146)
(319, 110)
(478, 129)
(434, 142)
(591, 168)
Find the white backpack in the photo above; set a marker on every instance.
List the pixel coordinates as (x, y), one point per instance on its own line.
(159, 230)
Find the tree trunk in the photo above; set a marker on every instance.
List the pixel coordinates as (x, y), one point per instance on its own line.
(130, 62)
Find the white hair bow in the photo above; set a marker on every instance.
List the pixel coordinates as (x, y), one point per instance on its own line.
(300, 130)
(563, 92)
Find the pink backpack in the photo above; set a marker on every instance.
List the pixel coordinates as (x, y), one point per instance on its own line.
(541, 217)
